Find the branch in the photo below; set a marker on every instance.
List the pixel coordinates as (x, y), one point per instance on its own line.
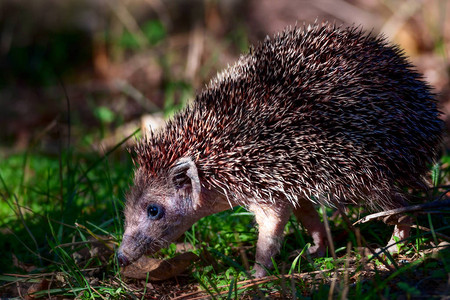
(438, 204)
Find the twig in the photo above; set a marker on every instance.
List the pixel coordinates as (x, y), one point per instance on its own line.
(441, 235)
(346, 11)
(254, 282)
(97, 238)
(328, 231)
(195, 52)
(400, 16)
(346, 273)
(128, 21)
(159, 7)
(129, 90)
(96, 163)
(413, 208)
(86, 242)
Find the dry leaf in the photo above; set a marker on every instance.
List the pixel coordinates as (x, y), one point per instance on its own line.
(159, 269)
(37, 287)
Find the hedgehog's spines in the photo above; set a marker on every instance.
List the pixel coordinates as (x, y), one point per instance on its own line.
(315, 112)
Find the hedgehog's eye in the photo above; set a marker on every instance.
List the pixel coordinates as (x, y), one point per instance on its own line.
(155, 212)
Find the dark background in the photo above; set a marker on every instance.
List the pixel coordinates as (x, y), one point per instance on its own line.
(110, 62)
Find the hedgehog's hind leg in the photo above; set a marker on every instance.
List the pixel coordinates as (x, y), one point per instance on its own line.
(401, 232)
(402, 224)
(308, 216)
(271, 220)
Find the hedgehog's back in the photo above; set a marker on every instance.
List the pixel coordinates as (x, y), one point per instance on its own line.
(322, 112)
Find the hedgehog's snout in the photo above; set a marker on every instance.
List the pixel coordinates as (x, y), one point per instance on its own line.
(122, 259)
(133, 246)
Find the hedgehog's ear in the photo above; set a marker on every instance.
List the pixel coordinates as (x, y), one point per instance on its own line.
(185, 180)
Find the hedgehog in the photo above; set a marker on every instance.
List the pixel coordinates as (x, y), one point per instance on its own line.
(319, 114)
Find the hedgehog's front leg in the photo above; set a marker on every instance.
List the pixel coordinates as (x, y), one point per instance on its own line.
(271, 220)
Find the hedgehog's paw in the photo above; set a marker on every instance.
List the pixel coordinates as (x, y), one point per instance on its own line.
(313, 251)
(317, 250)
(259, 271)
(398, 238)
(392, 249)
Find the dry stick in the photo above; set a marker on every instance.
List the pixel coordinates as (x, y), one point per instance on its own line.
(92, 288)
(328, 231)
(97, 240)
(412, 208)
(244, 258)
(132, 92)
(49, 288)
(254, 282)
(294, 295)
(343, 10)
(332, 286)
(42, 275)
(283, 281)
(400, 16)
(26, 277)
(15, 282)
(361, 239)
(442, 236)
(347, 261)
(18, 291)
(95, 164)
(163, 15)
(437, 188)
(195, 52)
(128, 21)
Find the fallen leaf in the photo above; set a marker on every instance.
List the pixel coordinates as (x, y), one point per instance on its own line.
(37, 287)
(159, 269)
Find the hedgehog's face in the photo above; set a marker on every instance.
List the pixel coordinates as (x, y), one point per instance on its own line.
(159, 210)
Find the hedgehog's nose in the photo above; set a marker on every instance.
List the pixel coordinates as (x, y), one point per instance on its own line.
(123, 260)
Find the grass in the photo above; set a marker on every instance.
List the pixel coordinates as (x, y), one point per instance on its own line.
(43, 200)
(61, 219)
